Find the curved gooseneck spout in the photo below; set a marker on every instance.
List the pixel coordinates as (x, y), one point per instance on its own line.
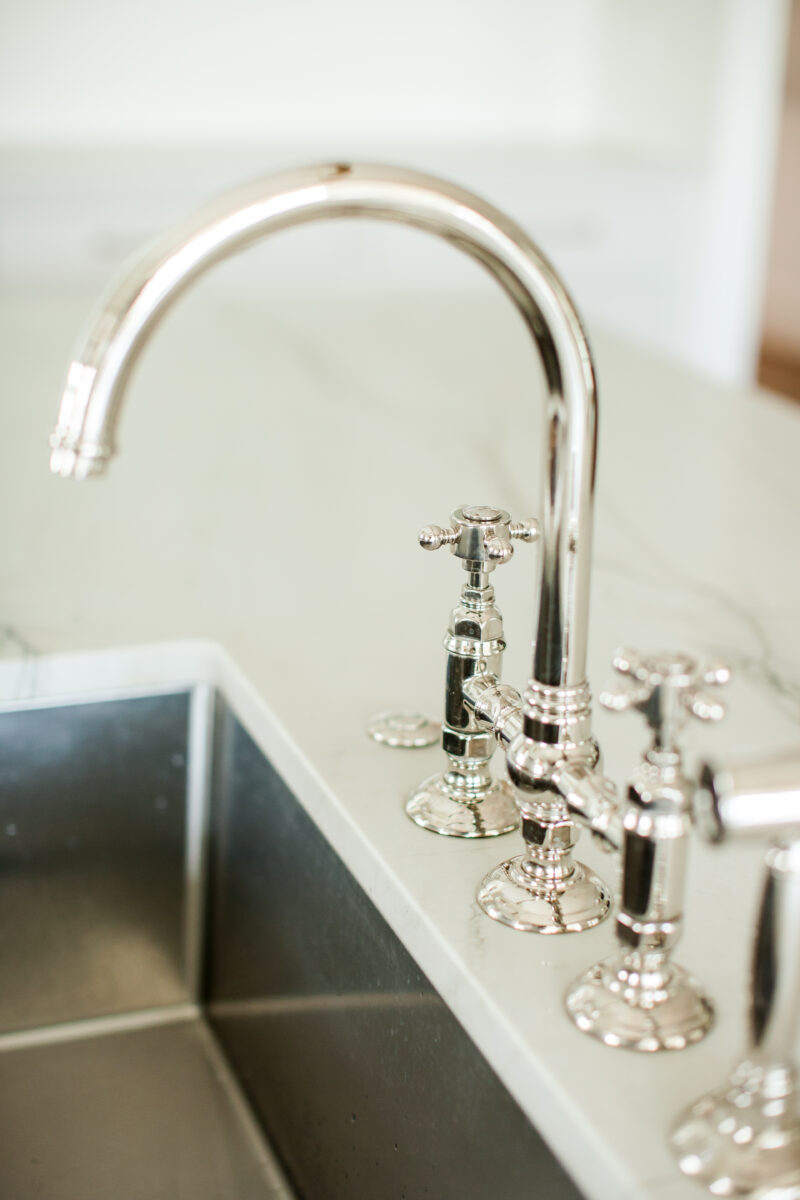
(557, 702)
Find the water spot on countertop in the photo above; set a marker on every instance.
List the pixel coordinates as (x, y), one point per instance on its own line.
(11, 829)
(178, 760)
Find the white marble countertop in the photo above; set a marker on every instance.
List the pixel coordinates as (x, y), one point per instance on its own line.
(276, 463)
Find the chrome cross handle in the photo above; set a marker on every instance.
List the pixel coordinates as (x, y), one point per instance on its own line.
(479, 534)
(639, 998)
(667, 689)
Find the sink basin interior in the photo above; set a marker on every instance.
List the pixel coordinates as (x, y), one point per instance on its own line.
(199, 1000)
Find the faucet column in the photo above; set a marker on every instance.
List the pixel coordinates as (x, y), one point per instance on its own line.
(545, 890)
(464, 800)
(639, 998)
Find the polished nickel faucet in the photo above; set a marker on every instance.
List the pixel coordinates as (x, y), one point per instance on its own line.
(748, 1132)
(552, 722)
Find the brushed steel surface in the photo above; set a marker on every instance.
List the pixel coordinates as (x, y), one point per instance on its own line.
(202, 708)
(92, 845)
(326, 1041)
(365, 1083)
(147, 1114)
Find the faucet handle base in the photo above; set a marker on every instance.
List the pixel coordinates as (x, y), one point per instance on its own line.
(444, 805)
(744, 1138)
(533, 904)
(623, 1005)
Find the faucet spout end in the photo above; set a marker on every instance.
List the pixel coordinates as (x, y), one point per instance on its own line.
(74, 452)
(77, 464)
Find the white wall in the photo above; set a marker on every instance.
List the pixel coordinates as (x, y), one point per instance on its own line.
(636, 141)
(274, 71)
(653, 74)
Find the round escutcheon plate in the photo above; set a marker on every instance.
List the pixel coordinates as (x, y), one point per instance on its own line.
(409, 731)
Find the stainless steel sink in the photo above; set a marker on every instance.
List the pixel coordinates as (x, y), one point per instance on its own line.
(197, 1000)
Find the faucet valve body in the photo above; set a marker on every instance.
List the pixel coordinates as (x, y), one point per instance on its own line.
(545, 890)
(465, 800)
(639, 998)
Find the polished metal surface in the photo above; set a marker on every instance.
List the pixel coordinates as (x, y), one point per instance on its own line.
(555, 737)
(402, 730)
(364, 1081)
(744, 1137)
(751, 799)
(633, 1001)
(465, 800)
(592, 802)
(92, 848)
(479, 535)
(557, 703)
(521, 894)
(666, 689)
(146, 1114)
(559, 790)
(639, 999)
